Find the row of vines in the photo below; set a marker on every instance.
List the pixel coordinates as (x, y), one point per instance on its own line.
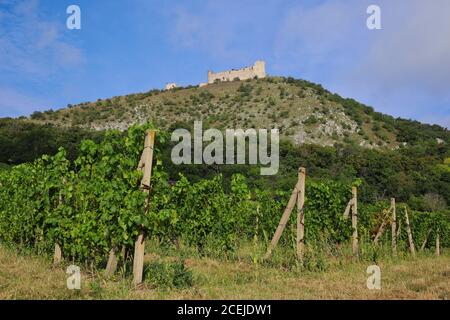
(94, 204)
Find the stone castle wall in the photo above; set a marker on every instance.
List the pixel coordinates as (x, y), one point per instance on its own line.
(257, 70)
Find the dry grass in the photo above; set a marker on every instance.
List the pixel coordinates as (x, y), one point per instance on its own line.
(426, 277)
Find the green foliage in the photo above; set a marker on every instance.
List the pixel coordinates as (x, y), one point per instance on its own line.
(23, 141)
(94, 203)
(325, 202)
(87, 209)
(166, 275)
(426, 225)
(245, 89)
(310, 120)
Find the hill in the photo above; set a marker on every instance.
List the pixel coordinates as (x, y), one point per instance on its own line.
(304, 112)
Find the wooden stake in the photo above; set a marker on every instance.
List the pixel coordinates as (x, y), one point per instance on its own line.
(124, 254)
(383, 224)
(438, 245)
(355, 246)
(282, 224)
(284, 219)
(347, 209)
(394, 228)
(301, 214)
(424, 243)
(57, 256)
(138, 261)
(146, 165)
(408, 230)
(148, 159)
(111, 266)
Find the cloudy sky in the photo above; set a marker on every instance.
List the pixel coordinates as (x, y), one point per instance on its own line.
(136, 45)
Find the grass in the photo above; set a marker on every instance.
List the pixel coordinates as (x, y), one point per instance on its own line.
(28, 276)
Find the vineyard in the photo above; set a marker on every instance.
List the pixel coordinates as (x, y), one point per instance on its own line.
(96, 207)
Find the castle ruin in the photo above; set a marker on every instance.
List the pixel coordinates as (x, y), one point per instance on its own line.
(258, 70)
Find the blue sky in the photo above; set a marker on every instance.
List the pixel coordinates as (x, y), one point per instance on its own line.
(136, 45)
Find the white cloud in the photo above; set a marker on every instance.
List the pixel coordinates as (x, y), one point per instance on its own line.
(224, 30)
(32, 45)
(203, 32)
(33, 48)
(403, 69)
(310, 37)
(414, 47)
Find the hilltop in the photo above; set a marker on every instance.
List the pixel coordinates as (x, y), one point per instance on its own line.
(304, 112)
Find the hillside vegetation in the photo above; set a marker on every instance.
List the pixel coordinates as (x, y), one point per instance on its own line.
(24, 141)
(303, 111)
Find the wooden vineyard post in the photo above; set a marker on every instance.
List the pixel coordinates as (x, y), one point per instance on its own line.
(111, 266)
(394, 228)
(438, 245)
(301, 214)
(383, 224)
(347, 209)
(410, 238)
(424, 243)
(282, 224)
(146, 165)
(138, 260)
(57, 256)
(399, 227)
(355, 246)
(284, 219)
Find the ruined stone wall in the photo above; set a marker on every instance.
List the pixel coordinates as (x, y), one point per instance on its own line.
(170, 85)
(257, 70)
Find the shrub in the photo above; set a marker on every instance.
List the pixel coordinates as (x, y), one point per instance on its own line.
(168, 275)
(311, 120)
(37, 115)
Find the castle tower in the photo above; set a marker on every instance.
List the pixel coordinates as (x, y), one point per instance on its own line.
(259, 68)
(210, 76)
